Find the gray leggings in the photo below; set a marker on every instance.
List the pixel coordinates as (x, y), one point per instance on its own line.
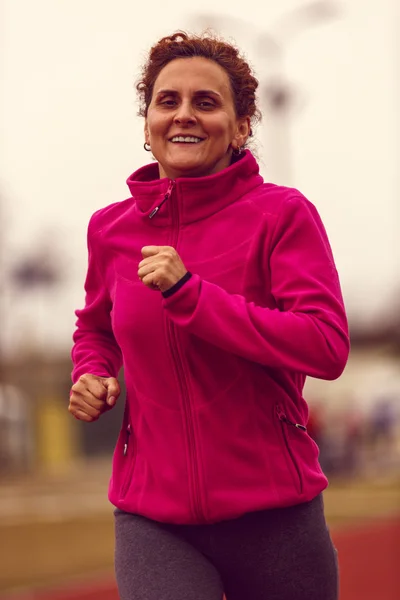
(279, 554)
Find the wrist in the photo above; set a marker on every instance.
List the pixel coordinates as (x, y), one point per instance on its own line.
(177, 286)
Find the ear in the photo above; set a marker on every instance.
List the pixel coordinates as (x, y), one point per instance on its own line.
(242, 133)
(146, 132)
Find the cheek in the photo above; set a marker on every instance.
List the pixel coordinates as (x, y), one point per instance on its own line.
(157, 125)
(222, 128)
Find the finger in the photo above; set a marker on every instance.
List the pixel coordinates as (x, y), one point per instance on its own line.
(150, 251)
(87, 397)
(143, 271)
(97, 389)
(150, 281)
(147, 261)
(80, 415)
(113, 390)
(92, 384)
(78, 404)
(165, 259)
(165, 254)
(88, 409)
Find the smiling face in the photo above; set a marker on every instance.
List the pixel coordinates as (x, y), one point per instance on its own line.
(191, 123)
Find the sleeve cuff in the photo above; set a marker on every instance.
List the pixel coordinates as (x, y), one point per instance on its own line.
(177, 285)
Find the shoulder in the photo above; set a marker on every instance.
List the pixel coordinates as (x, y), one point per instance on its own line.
(105, 217)
(278, 201)
(287, 212)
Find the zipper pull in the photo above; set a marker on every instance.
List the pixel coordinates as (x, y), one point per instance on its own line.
(128, 433)
(299, 426)
(282, 417)
(166, 197)
(280, 413)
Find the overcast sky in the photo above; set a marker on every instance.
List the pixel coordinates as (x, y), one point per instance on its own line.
(70, 135)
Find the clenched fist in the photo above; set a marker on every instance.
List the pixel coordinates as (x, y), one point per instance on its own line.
(161, 267)
(91, 396)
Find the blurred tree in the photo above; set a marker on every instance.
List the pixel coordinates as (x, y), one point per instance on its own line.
(40, 269)
(35, 271)
(277, 93)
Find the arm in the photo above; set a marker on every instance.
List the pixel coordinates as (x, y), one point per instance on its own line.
(95, 349)
(308, 331)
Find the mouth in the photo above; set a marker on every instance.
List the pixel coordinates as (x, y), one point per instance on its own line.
(187, 139)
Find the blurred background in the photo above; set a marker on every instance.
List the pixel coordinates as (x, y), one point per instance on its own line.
(329, 76)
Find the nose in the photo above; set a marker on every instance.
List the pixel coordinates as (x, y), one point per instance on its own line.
(185, 114)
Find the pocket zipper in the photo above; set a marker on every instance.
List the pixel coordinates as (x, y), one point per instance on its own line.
(130, 466)
(128, 435)
(282, 417)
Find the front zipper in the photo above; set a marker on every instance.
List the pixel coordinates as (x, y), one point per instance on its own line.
(284, 422)
(131, 456)
(155, 210)
(181, 376)
(188, 420)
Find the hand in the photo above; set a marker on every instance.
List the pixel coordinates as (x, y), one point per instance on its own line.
(161, 268)
(91, 396)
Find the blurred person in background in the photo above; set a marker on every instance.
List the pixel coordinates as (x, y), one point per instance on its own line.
(354, 435)
(383, 431)
(316, 422)
(15, 438)
(317, 425)
(218, 294)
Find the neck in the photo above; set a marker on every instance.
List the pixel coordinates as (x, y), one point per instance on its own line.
(171, 173)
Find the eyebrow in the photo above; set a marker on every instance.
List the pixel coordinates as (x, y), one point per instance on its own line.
(197, 93)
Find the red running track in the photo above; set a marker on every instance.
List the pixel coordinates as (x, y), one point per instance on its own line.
(369, 560)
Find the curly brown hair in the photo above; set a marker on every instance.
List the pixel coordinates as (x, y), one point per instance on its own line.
(182, 45)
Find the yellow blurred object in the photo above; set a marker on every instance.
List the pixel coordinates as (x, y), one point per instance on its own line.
(56, 442)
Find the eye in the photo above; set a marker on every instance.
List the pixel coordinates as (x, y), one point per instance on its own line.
(206, 104)
(168, 102)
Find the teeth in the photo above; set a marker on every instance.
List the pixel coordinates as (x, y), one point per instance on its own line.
(188, 140)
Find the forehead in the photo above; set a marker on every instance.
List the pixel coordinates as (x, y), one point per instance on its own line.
(189, 74)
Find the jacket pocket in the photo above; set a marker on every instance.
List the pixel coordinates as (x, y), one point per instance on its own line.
(129, 459)
(298, 429)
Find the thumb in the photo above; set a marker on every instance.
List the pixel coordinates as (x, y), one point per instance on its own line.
(113, 390)
(148, 251)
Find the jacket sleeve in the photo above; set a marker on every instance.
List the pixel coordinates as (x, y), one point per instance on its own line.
(307, 333)
(95, 349)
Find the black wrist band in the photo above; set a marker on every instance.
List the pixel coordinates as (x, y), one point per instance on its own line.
(177, 285)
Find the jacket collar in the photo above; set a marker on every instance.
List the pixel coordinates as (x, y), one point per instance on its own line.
(191, 198)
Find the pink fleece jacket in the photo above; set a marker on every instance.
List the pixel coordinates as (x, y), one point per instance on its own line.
(215, 422)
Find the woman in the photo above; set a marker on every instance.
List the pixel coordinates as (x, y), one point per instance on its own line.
(218, 294)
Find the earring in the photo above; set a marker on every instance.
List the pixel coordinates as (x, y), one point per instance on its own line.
(147, 147)
(237, 151)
